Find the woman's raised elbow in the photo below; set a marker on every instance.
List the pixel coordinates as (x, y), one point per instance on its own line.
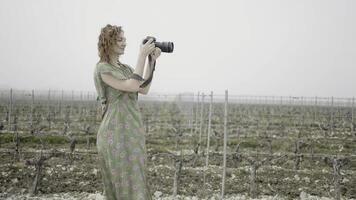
(143, 91)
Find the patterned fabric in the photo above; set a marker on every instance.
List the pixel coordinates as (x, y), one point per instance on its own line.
(121, 139)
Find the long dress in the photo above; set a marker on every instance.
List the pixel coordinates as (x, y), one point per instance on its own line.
(121, 139)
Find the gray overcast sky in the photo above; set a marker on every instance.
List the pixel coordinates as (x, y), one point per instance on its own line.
(252, 47)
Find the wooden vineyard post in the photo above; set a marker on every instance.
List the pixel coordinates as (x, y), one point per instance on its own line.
(71, 110)
(315, 107)
(197, 112)
(197, 147)
(208, 138)
(54, 111)
(80, 107)
(280, 107)
(61, 102)
(266, 133)
(201, 122)
(178, 132)
(10, 111)
(49, 109)
(352, 116)
(178, 159)
(191, 118)
(16, 137)
(66, 119)
(32, 111)
(225, 143)
(303, 116)
(332, 116)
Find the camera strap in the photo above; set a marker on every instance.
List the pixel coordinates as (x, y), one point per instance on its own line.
(148, 81)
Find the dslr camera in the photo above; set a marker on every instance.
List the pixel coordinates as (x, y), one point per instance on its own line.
(166, 47)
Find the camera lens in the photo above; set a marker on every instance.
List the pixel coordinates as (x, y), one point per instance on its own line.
(166, 47)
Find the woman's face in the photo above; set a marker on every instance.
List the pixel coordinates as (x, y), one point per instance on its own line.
(120, 45)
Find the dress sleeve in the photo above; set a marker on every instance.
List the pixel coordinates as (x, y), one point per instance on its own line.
(100, 85)
(107, 69)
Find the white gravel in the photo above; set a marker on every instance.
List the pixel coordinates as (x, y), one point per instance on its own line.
(157, 196)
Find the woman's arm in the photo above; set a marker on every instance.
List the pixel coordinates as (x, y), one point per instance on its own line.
(131, 85)
(145, 89)
(148, 70)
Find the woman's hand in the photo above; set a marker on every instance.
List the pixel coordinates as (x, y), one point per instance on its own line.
(155, 54)
(147, 48)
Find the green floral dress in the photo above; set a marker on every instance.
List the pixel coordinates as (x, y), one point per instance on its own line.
(121, 139)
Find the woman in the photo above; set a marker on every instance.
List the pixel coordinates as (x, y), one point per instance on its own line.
(121, 137)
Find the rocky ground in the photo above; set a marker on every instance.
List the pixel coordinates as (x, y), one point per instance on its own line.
(157, 196)
(81, 180)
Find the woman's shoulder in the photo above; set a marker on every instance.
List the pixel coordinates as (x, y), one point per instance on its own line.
(104, 66)
(103, 63)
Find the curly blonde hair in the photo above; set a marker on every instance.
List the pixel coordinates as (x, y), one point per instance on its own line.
(107, 38)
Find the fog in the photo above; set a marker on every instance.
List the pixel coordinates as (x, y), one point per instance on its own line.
(274, 47)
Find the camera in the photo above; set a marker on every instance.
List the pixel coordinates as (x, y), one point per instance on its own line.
(166, 47)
